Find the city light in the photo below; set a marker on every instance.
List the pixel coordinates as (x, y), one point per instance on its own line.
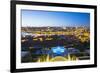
(55, 44)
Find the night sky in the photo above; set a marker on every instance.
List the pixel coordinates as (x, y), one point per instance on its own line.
(35, 18)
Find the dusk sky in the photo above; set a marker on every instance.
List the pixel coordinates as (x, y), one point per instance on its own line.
(35, 18)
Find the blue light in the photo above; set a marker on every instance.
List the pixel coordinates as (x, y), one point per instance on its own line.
(58, 50)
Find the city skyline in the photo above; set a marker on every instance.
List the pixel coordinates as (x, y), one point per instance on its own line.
(35, 18)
